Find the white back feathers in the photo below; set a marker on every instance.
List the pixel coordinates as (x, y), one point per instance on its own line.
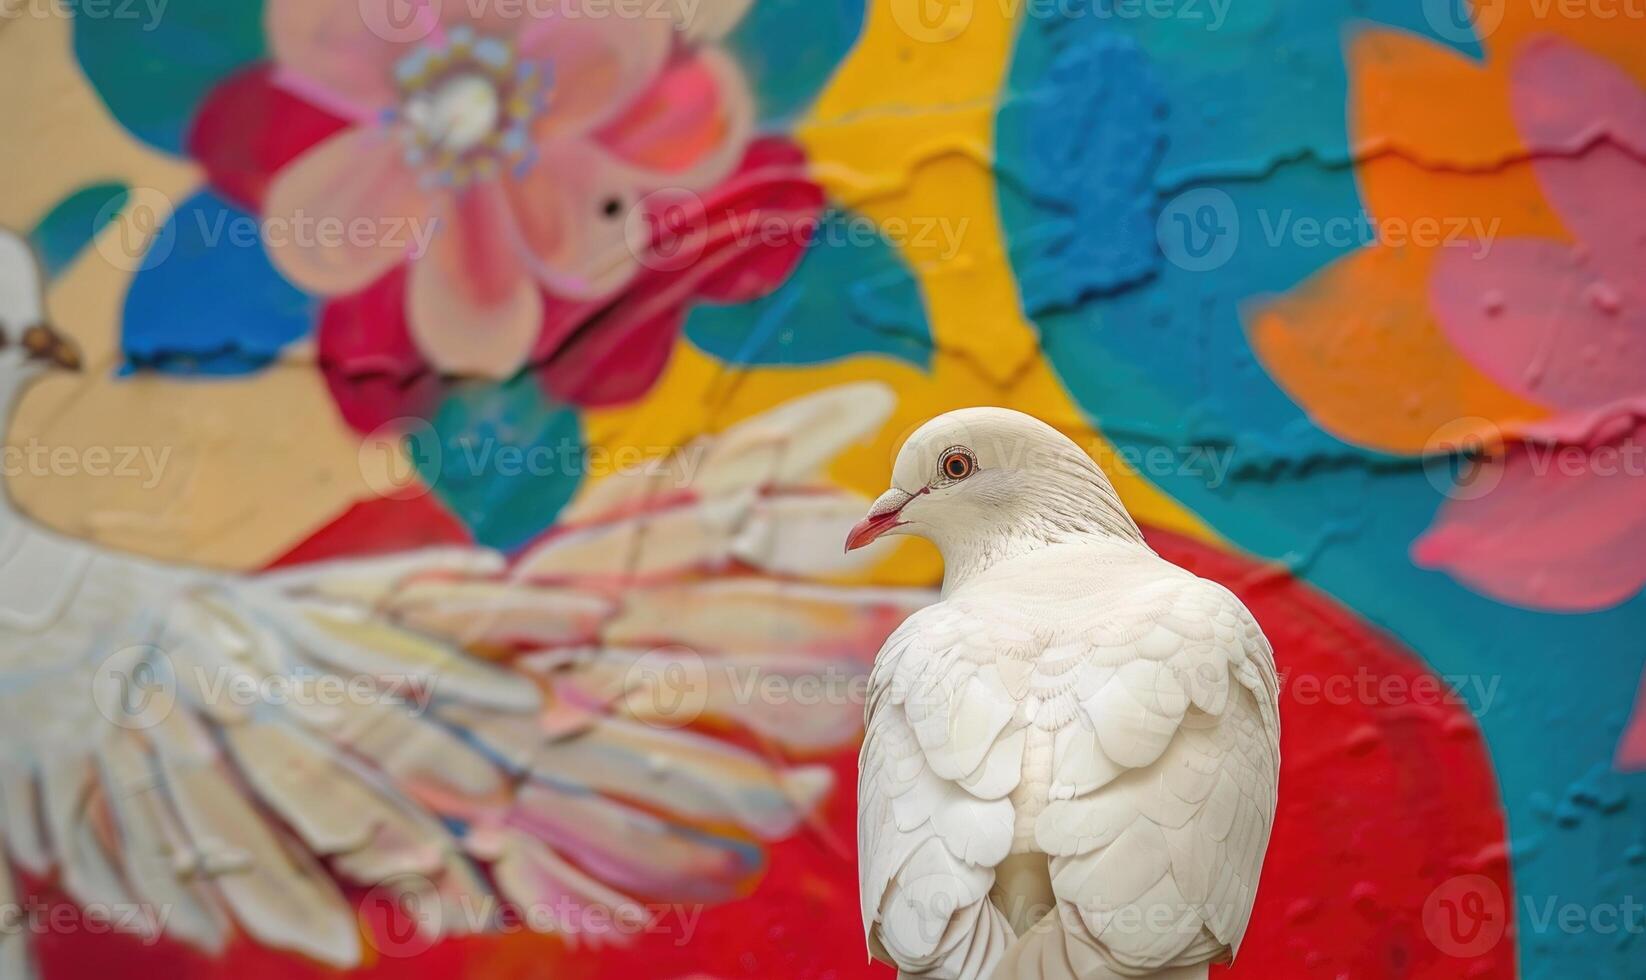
(1071, 761)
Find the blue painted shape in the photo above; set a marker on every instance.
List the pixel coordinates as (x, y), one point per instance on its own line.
(154, 61)
(206, 299)
(851, 294)
(502, 457)
(72, 223)
(1077, 157)
(791, 50)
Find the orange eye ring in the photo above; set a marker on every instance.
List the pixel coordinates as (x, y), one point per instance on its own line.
(957, 463)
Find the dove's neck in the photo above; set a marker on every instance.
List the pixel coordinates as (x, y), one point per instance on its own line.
(1081, 506)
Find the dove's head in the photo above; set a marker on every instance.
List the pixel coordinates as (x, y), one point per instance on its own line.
(984, 482)
(29, 344)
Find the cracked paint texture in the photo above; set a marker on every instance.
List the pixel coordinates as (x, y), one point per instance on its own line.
(1192, 239)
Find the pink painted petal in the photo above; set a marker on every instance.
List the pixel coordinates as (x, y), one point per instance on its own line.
(1565, 97)
(599, 63)
(1564, 528)
(690, 125)
(572, 210)
(344, 213)
(1586, 119)
(472, 306)
(342, 54)
(1543, 322)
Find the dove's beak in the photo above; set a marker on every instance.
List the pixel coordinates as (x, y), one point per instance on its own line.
(883, 515)
(44, 343)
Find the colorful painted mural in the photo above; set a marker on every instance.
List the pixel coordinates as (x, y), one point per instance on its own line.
(433, 567)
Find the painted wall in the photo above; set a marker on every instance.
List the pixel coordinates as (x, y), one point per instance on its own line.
(1344, 295)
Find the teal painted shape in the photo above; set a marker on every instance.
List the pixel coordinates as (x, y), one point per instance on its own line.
(791, 50)
(851, 294)
(73, 222)
(153, 61)
(502, 457)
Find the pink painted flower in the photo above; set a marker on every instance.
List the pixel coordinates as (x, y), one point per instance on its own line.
(1562, 323)
(496, 156)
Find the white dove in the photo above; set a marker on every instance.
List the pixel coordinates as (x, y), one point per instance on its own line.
(1070, 763)
(194, 752)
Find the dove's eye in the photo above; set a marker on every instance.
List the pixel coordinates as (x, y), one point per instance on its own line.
(958, 463)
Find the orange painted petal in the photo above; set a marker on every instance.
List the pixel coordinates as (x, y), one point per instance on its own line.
(690, 125)
(472, 306)
(1356, 347)
(1434, 131)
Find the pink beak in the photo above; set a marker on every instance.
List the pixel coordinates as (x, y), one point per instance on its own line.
(882, 517)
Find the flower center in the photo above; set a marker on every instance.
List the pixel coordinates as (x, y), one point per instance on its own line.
(457, 114)
(466, 108)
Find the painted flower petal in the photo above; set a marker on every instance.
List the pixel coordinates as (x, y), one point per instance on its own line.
(1564, 527)
(473, 307)
(1585, 120)
(598, 62)
(345, 213)
(374, 370)
(1565, 97)
(1539, 319)
(242, 160)
(572, 211)
(342, 54)
(691, 124)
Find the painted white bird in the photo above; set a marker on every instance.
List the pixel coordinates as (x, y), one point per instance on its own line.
(222, 752)
(1071, 760)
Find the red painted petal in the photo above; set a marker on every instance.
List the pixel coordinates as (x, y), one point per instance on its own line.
(373, 369)
(771, 190)
(248, 128)
(617, 354)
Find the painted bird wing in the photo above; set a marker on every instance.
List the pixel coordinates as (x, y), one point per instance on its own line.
(146, 764)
